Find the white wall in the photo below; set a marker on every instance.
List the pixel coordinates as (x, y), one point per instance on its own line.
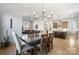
(0, 29)
(5, 23)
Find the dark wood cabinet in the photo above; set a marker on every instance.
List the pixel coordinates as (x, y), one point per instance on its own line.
(59, 34)
(30, 31)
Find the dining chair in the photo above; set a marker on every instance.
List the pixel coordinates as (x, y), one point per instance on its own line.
(44, 44)
(50, 42)
(20, 48)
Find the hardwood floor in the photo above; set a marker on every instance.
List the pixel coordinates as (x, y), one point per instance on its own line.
(11, 50)
(59, 48)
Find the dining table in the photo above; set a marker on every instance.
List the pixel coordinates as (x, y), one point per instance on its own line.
(33, 41)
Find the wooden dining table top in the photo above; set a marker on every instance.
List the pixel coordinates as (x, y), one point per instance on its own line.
(33, 39)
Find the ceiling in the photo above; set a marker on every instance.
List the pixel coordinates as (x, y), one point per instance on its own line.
(27, 9)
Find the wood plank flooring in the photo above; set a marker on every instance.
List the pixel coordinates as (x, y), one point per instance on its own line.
(11, 50)
(59, 48)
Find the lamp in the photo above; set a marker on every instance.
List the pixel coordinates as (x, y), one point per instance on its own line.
(34, 14)
(43, 11)
(51, 14)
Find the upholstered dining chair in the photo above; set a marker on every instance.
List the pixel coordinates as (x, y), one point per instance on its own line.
(50, 41)
(20, 48)
(44, 44)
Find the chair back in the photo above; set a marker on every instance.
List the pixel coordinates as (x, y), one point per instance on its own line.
(17, 42)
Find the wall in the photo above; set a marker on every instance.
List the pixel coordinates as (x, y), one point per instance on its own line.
(5, 23)
(0, 29)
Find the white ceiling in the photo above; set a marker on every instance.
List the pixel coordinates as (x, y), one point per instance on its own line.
(28, 8)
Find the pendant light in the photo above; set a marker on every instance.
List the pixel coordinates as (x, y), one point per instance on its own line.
(34, 14)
